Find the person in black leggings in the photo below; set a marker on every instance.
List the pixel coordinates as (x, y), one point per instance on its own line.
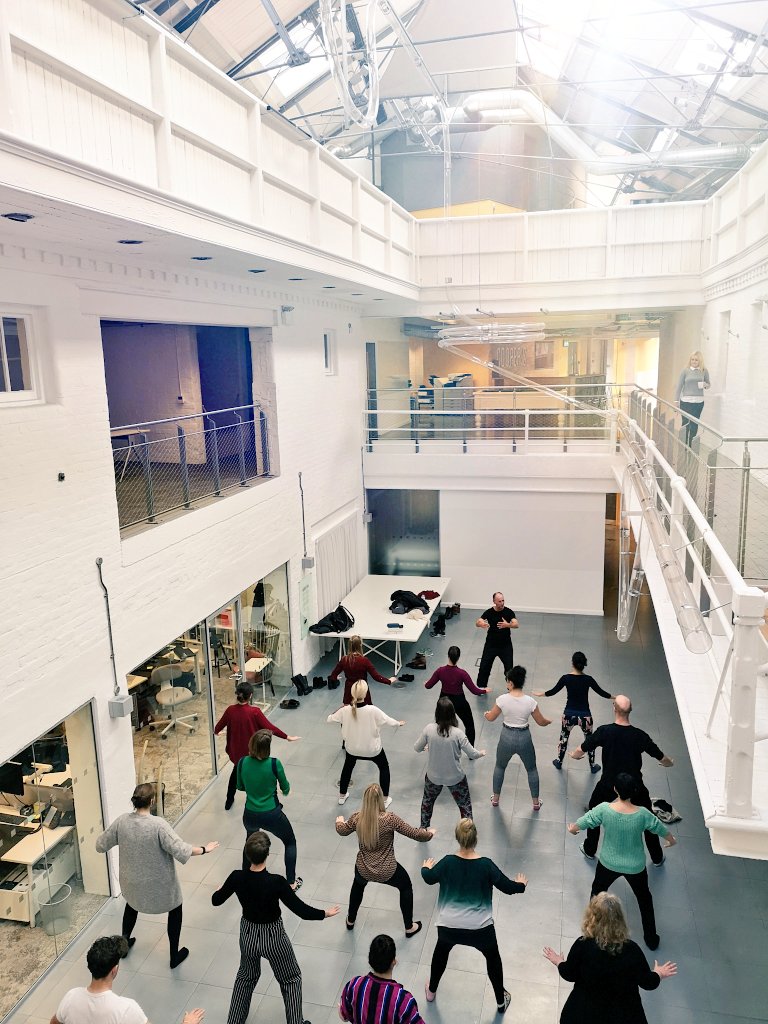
(577, 713)
(452, 681)
(465, 909)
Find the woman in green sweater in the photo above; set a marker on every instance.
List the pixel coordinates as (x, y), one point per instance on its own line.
(623, 851)
(465, 909)
(258, 775)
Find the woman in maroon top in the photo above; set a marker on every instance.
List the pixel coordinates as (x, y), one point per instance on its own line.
(241, 721)
(452, 681)
(356, 666)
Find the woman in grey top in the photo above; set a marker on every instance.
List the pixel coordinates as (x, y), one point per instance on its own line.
(693, 382)
(148, 848)
(445, 742)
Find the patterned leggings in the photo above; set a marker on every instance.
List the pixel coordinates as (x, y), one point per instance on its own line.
(584, 722)
(459, 792)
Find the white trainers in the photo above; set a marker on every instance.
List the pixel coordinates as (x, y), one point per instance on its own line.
(387, 802)
(343, 797)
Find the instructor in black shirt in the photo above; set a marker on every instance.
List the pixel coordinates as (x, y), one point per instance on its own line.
(262, 933)
(497, 622)
(623, 748)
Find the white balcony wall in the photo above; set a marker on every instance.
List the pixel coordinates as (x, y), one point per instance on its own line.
(84, 82)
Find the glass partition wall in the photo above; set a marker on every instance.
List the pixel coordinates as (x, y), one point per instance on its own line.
(52, 881)
(182, 690)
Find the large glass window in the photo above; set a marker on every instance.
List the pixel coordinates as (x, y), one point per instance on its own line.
(52, 881)
(16, 381)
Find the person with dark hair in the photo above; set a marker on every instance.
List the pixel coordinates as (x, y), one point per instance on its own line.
(516, 708)
(607, 968)
(452, 681)
(377, 996)
(361, 731)
(148, 881)
(465, 909)
(445, 741)
(623, 748)
(375, 827)
(355, 665)
(498, 620)
(622, 852)
(577, 713)
(242, 720)
(262, 933)
(258, 776)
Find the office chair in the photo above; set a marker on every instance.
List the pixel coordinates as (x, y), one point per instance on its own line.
(170, 697)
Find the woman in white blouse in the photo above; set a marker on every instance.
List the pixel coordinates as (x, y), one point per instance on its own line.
(516, 708)
(361, 731)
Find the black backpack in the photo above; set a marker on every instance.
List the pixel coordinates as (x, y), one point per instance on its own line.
(343, 619)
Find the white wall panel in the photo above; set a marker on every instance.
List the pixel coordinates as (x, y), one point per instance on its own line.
(543, 550)
(103, 46)
(400, 228)
(286, 213)
(373, 210)
(283, 158)
(336, 188)
(66, 117)
(337, 236)
(208, 180)
(197, 104)
(373, 251)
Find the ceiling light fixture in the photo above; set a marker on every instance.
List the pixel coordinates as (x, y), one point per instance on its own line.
(297, 279)
(357, 294)
(20, 218)
(130, 241)
(329, 287)
(201, 259)
(256, 271)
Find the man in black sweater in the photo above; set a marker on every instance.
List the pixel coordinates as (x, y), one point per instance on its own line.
(623, 748)
(498, 620)
(262, 933)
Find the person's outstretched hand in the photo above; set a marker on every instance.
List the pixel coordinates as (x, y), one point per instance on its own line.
(339, 818)
(292, 739)
(193, 1016)
(573, 829)
(332, 911)
(401, 723)
(552, 956)
(665, 970)
(429, 862)
(538, 693)
(521, 879)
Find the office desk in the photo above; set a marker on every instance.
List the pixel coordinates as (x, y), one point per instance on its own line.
(23, 900)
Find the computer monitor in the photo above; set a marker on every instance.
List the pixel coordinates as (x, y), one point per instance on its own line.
(12, 778)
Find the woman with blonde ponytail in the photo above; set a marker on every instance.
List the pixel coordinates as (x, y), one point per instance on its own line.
(361, 724)
(376, 827)
(465, 909)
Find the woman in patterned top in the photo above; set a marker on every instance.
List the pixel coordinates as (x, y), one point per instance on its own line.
(376, 862)
(465, 909)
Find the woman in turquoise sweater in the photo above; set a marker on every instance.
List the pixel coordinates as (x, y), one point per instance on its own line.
(258, 775)
(465, 909)
(623, 851)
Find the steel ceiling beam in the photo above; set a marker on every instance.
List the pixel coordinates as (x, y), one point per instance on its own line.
(188, 20)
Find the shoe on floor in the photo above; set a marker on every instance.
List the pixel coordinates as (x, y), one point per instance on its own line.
(595, 768)
(494, 801)
(416, 929)
(228, 805)
(387, 802)
(589, 856)
(558, 764)
(430, 995)
(131, 943)
(658, 863)
(505, 1005)
(406, 677)
(180, 957)
(538, 804)
(653, 942)
(343, 797)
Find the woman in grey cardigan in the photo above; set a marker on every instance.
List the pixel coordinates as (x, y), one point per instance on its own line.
(693, 382)
(148, 848)
(445, 742)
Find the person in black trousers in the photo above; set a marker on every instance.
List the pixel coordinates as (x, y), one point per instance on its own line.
(262, 933)
(498, 620)
(607, 969)
(623, 748)
(577, 712)
(452, 681)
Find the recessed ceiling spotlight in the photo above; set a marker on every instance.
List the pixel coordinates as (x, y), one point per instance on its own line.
(130, 241)
(378, 300)
(21, 218)
(297, 278)
(201, 259)
(329, 287)
(256, 271)
(357, 294)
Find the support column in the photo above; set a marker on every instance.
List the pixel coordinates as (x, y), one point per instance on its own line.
(158, 65)
(6, 73)
(740, 757)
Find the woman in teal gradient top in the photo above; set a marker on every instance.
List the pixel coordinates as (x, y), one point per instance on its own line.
(465, 910)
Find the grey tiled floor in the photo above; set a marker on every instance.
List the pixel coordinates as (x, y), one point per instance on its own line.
(712, 912)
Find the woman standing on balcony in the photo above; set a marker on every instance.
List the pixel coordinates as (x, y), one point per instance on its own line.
(693, 382)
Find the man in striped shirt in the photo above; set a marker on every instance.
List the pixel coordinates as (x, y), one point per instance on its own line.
(377, 998)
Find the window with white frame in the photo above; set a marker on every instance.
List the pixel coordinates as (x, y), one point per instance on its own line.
(329, 351)
(17, 381)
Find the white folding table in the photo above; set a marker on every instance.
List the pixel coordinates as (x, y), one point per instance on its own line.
(369, 603)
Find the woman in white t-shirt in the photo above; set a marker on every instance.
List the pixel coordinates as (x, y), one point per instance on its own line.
(516, 708)
(361, 731)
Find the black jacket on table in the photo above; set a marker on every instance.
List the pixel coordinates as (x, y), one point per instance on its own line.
(606, 985)
(260, 894)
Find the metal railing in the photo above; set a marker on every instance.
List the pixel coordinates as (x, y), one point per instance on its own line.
(170, 464)
(726, 476)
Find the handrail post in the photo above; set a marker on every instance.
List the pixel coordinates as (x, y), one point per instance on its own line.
(746, 462)
(241, 449)
(183, 465)
(146, 465)
(264, 437)
(215, 458)
(740, 749)
(709, 501)
(614, 430)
